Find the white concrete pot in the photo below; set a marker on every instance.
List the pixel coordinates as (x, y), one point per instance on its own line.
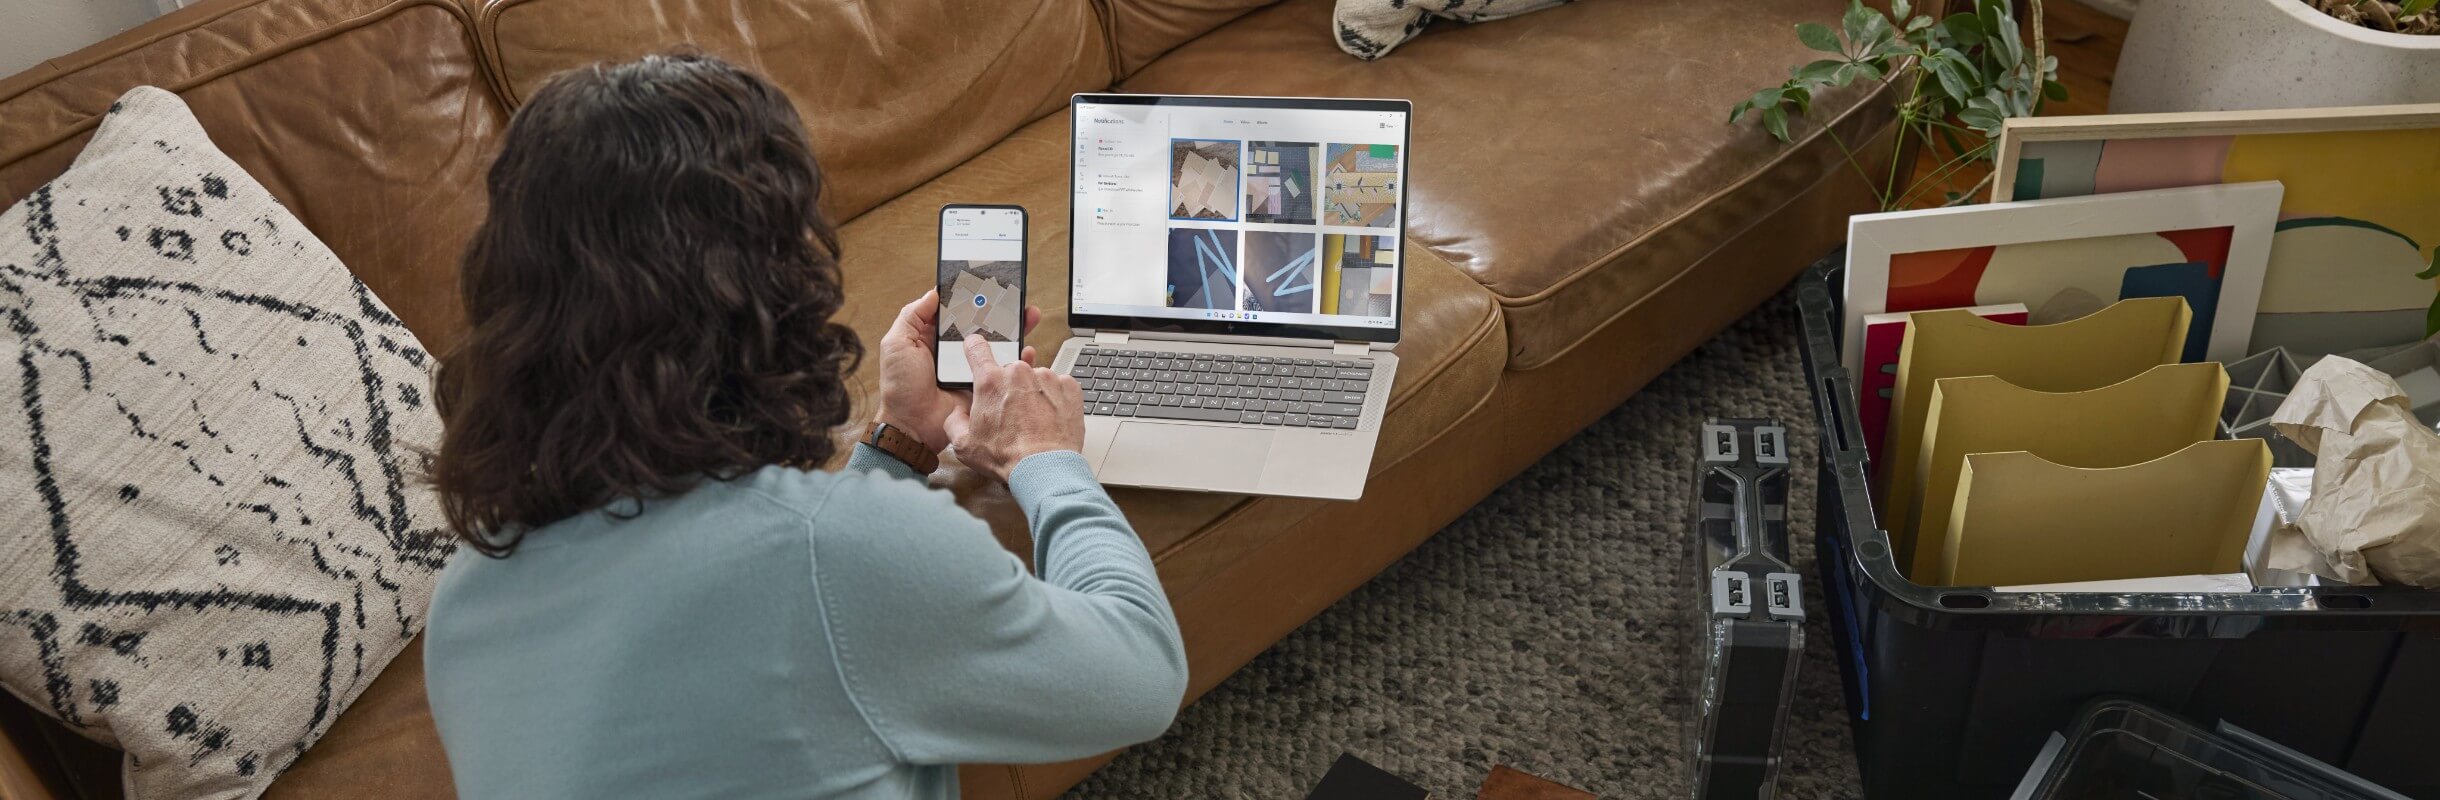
(2227, 55)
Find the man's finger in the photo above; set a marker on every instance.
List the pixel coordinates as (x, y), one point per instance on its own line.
(920, 314)
(1033, 317)
(978, 356)
(1027, 355)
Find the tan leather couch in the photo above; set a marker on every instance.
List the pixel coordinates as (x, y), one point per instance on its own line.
(1581, 217)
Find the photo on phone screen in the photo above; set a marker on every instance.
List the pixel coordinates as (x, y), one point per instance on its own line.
(982, 286)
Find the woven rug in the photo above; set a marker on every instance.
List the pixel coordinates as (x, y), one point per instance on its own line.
(1547, 629)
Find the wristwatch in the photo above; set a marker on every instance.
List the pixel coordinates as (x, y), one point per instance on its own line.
(903, 446)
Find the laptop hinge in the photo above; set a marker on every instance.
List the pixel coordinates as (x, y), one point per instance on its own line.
(1349, 348)
(1109, 337)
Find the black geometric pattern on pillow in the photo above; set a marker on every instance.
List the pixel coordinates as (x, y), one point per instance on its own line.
(210, 442)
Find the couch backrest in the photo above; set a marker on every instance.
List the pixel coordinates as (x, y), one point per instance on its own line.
(372, 120)
(894, 93)
(1141, 30)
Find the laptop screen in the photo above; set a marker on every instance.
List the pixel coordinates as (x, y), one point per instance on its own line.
(1238, 215)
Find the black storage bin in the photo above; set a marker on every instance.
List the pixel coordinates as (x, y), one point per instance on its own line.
(1951, 691)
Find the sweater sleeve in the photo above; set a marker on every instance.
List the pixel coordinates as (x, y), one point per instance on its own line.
(955, 654)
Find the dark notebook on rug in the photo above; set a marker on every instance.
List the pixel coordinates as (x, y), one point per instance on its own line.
(1352, 779)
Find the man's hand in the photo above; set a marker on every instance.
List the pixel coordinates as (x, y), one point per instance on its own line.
(911, 397)
(1018, 410)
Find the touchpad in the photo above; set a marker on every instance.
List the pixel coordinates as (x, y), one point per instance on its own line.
(1198, 457)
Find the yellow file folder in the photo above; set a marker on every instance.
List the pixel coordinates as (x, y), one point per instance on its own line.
(2129, 422)
(2020, 519)
(2108, 346)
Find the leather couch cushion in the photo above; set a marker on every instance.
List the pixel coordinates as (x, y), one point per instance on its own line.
(893, 93)
(1572, 160)
(370, 120)
(1141, 30)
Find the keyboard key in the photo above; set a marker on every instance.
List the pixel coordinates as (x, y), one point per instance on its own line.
(1295, 420)
(1275, 406)
(1130, 398)
(1233, 404)
(1192, 414)
(1337, 409)
(1125, 411)
(1250, 417)
(1312, 396)
(1343, 423)
(1309, 383)
(1271, 394)
(1166, 388)
(1273, 419)
(1105, 409)
(1347, 373)
(1191, 401)
(1318, 421)
(1304, 371)
(1344, 397)
(1296, 407)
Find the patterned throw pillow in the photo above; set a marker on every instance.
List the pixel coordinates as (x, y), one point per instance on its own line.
(214, 536)
(1369, 29)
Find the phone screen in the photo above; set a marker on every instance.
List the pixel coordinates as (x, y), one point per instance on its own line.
(982, 286)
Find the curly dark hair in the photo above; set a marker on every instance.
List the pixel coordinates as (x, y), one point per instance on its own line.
(648, 302)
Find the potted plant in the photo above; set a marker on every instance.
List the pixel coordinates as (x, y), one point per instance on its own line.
(2225, 55)
(1963, 74)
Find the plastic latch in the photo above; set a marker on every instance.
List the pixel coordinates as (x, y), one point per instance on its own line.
(1719, 444)
(1732, 595)
(1783, 595)
(1109, 337)
(1350, 348)
(1771, 446)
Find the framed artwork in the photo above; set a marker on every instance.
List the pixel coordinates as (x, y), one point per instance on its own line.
(2358, 226)
(2069, 257)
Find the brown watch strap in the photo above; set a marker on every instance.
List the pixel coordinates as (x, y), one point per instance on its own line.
(904, 447)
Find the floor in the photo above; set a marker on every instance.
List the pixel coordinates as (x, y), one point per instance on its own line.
(1548, 629)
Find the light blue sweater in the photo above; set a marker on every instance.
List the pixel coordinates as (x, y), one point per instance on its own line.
(801, 634)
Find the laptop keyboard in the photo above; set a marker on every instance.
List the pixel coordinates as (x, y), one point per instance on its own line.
(1255, 390)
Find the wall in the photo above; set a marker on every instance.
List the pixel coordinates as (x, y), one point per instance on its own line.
(32, 31)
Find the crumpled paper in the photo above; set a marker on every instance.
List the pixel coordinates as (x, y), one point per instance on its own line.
(2374, 515)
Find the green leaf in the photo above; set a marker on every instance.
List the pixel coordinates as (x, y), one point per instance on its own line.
(1949, 67)
(1738, 112)
(1818, 71)
(2408, 8)
(1775, 120)
(2011, 46)
(1768, 98)
(1901, 9)
(1920, 23)
(1818, 36)
(1857, 24)
(2054, 91)
(2434, 272)
(1803, 100)
(1964, 30)
(1862, 69)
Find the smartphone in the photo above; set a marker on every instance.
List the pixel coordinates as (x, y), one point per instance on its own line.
(982, 287)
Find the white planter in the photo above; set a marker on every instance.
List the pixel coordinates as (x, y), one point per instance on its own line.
(2227, 55)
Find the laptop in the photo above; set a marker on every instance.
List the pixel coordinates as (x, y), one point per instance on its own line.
(1236, 287)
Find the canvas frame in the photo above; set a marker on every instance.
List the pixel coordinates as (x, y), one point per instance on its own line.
(2018, 131)
(2249, 210)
